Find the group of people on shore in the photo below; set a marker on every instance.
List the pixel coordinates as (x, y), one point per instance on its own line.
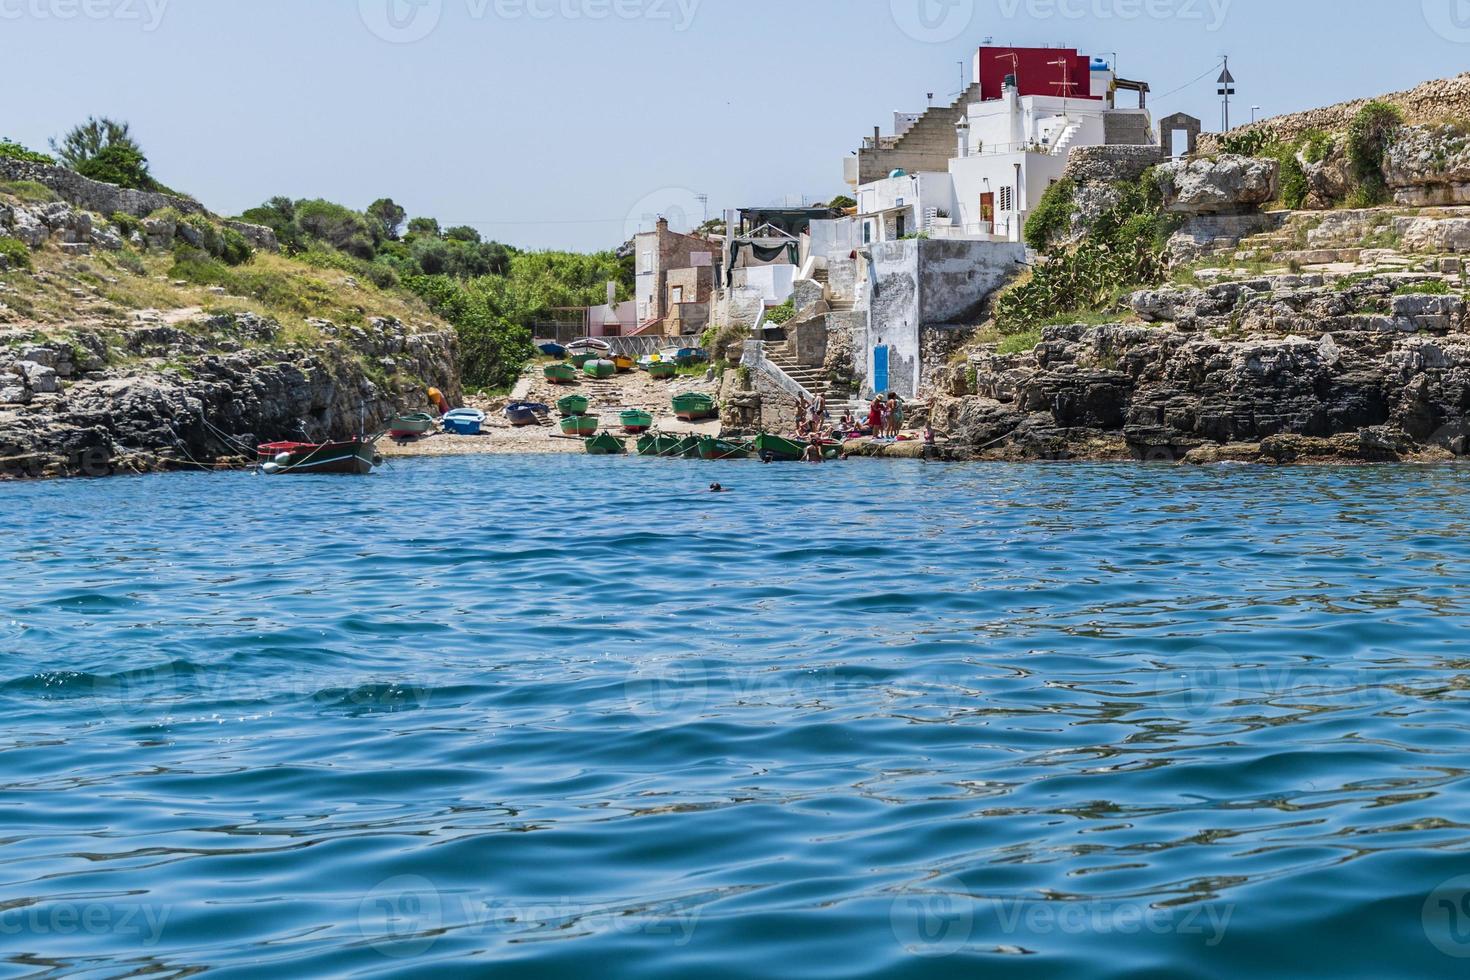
(884, 421)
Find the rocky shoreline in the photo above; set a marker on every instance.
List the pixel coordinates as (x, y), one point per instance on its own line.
(1275, 370)
(163, 397)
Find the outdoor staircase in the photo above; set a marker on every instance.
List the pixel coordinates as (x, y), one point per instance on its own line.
(814, 380)
(1064, 142)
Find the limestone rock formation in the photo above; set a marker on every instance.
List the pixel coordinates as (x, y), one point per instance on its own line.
(1225, 185)
(1429, 165)
(1272, 370)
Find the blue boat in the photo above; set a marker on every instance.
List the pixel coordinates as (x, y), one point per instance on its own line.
(553, 350)
(521, 414)
(690, 355)
(464, 422)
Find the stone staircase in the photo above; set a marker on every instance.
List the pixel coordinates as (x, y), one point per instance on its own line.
(927, 145)
(814, 380)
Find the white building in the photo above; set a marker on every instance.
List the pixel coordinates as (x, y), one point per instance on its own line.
(1009, 147)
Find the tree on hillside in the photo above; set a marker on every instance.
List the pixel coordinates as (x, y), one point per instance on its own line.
(90, 138)
(104, 149)
(388, 216)
(342, 228)
(463, 233)
(424, 226)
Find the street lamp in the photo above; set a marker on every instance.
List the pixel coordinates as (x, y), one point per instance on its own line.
(1254, 109)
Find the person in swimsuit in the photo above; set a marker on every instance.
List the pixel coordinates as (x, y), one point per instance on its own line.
(895, 415)
(813, 453)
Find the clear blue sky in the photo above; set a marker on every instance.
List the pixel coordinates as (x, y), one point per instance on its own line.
(549, 130)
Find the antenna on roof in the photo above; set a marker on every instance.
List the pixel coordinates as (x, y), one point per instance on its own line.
(1066, 84)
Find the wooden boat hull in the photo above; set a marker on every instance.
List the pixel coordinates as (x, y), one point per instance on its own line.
(606, 445)
(573, 405)
(523, 414)
(711, 448)
(783, 450)
(410, 426)
(635, 423)
(599, 369)
(688, 448)
(623, 363)
(579, 425)
(580, 358)
(692, 408)
(350, 457)
(553, 350)
(561, 374)
(662, 370)
(659, 445)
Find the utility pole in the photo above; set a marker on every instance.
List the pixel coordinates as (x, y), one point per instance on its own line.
(1227, 89)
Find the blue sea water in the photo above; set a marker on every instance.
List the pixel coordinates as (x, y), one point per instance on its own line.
(569, 717)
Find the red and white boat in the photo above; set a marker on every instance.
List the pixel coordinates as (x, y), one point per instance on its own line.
(356, 457)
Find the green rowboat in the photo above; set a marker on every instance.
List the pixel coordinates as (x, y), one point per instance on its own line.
(662, 370)
(606, 445)
(784, 450)
(560, 374)
(581, 357)
(717, 449)
(600, 369)
(579, 425)
(688, 447)
(659, 445)
(573, 405)
(695, 406)
(635, 421)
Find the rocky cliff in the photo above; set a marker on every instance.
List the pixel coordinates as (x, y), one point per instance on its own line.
(1278, 369)
(108, 363)
(161, 396)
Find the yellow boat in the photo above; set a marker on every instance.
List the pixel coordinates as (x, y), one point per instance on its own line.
(623, 363)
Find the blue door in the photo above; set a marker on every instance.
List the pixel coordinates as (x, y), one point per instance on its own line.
(880, 369)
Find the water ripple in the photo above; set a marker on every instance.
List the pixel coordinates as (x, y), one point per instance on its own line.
(859, 720)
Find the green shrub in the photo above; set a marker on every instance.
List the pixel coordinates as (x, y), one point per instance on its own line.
(119, 164)
(1294, 186)
(126, 224)
(28, 191)
(15, 252)
(1052, 217)
(235, 250)
(780, 315)
(1434, 287)
(1247, 144)
(1317, 145)
(1369, 136)
(1019, 343)
(10, 150)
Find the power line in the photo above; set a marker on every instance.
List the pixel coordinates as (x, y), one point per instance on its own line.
(1188, 84)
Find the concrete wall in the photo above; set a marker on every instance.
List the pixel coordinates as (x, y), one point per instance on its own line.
(774, 283)
(921, 284)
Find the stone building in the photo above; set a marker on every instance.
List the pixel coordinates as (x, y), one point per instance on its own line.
(673, 270)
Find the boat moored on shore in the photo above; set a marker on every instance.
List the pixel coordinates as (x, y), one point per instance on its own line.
(694, 406)
(636, 421)
(606, 444)
(348, 457)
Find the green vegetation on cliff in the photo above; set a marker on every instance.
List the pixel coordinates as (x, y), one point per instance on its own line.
(492, 293)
